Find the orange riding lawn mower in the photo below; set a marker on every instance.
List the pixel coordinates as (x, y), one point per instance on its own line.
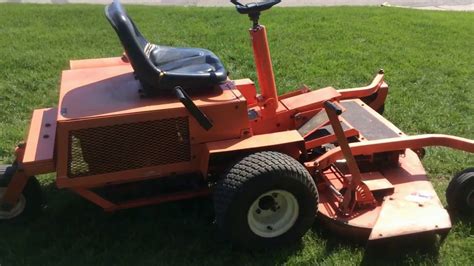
(162, 124)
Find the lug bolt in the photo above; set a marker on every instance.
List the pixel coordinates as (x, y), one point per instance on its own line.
(258, 211)
(274, 195)
(269, 228)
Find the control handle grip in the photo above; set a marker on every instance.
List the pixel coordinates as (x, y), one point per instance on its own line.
(333, 107)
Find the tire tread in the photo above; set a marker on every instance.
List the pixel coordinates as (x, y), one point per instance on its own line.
(252, 166)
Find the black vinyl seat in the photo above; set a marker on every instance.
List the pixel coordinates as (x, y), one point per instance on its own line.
(161, 68)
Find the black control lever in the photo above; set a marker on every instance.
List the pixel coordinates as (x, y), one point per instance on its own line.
(184, 98)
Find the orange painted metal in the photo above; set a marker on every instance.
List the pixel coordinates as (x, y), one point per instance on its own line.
(410, 205)
(303, 89)
(248, 90)
(40, 144)
(203, 192)
(14, 189)
(36, 156)
(413, 207)
(361, 92)
(93, 197)
(113, 91)
(291, 110)
(329, 208)
(357, 193)
(379, 101)
(112, 98)
(311, 144)
(311, 100)
(289, 142)
(20, 152)
(377, 87)
(110, 206)
(266, 78)
(127, 175)
(377, 182)
(374, 180)
(98, 62)
(395, 144)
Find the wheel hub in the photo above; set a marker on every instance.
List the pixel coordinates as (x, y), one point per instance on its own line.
(266, 202)
(15, 211)
(273, 213)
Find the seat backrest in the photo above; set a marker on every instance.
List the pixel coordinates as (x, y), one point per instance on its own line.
(133, 43)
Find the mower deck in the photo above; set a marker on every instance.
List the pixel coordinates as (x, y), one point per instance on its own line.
(413, 207)
(406, 201)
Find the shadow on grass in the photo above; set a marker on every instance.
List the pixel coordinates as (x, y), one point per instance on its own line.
(74, 232)
(404, 251)
(399, 251)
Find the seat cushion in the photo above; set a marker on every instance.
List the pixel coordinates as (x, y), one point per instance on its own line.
(187, 64)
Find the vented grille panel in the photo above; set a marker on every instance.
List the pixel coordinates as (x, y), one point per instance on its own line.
(121, 147)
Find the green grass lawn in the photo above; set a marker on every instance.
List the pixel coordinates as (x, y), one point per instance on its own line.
(428, 57)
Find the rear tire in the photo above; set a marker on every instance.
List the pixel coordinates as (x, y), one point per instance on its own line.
(460, 192)
(264, 200)
(30, 202)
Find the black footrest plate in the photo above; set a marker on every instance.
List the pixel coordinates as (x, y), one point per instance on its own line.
(369, 125)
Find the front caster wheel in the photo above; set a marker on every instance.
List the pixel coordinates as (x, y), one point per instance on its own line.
(460, 192)
(29, 203)
(266, 199)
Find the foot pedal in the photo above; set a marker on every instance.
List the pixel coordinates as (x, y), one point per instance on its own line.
(316, 122)
(371, 125)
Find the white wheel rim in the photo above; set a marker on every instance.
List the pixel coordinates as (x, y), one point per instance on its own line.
(16, 210)
(273, 213)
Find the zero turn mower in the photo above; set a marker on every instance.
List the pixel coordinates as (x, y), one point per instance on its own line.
(165, 123)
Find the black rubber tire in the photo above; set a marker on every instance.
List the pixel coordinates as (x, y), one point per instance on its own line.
(459, 188)
(32, 193)
(249, 178)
